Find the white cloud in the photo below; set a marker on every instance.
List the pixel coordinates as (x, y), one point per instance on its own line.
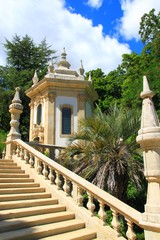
(61, 28)
(133, 10)
(95, 3)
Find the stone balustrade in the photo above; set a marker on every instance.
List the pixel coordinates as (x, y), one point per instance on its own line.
(49, 150)
(74, 186)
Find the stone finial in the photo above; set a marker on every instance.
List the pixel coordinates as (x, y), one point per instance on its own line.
(146, 93)
(90, 77)
(35, 78)
(149, 116)
(81, 69)
(51, 67)
(15, 109)
(63, 64)
(63, 55)
(16, 98)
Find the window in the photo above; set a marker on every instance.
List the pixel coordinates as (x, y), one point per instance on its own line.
(66, 120)
(39, 114)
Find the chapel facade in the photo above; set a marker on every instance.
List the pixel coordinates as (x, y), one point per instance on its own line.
(58, 102)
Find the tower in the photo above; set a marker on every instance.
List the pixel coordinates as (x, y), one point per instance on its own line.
(58, 102)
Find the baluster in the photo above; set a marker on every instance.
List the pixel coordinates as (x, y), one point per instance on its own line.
(39, 167)
(66, 187)
(18, 151)
(45, 171)
(22, 154)
(42, 150)
(4, 153)
(79, 197)
(51, 175)
(14, 151)
(130, 233)
(58, 181)
(26, 157)
(71, 189)
(115, 222)
(101, 212)
(90, 204)
(31, 161)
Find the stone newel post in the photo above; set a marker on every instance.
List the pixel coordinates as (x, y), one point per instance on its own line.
(149, 140)
(15, 109)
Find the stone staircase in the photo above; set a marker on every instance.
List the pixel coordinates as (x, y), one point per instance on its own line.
(27, 211)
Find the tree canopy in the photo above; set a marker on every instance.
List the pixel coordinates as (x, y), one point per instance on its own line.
(24, 56)
(124, 84)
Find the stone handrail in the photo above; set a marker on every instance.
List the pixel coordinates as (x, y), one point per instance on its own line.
(50, 150)
(74, 186)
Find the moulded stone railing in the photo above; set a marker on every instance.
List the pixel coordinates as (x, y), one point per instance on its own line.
(74, 186)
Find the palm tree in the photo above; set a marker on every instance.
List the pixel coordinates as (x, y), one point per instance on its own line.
(105, 152)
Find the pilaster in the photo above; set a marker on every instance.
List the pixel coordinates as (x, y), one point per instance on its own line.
(81, 106)
(31, 105)
(49, 124)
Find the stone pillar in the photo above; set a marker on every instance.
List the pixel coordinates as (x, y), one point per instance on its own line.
(149, 140)
(49, 124)
(15, 109)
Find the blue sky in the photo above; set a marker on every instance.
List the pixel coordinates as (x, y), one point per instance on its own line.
(107, 13)
(97, 32)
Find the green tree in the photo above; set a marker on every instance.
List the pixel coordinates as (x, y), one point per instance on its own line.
(108, 87)
(150, 35)
(149, 26)
(3, 136)
(104, 151)
(23, 58)
(134, 69)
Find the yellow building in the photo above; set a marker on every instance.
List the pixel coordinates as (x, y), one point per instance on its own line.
(58, 102)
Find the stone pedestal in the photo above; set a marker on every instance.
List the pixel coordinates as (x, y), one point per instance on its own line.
(149, 140)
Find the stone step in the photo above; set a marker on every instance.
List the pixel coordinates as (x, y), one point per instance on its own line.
(27, 196)
(31, 211)
(16, 180)
(30, 221)
(21, 190)
(7, 163)
(7, 167)
(10, 175)
(43, 230)
(82, 234)
(28, 212)
(18, 185)
(27, 203)
(11, 171)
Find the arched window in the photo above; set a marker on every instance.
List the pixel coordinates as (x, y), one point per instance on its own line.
(66, 120)
(39, 114)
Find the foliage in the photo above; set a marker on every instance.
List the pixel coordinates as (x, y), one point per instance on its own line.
(23, 58)
(24, 54)
(132, 65)
(123, 85)
(136, 198)
(3, 136)
(108, 87)
(149, 26)
(106, 143)
(150, 35)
